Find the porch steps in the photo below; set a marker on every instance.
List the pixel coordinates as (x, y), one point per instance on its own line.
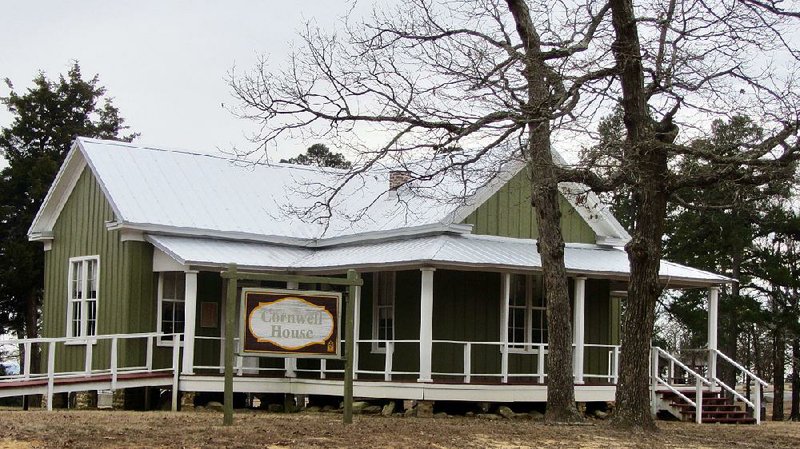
(717, 408)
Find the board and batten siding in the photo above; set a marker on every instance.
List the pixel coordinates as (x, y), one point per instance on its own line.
(126, 281)
(508, 213)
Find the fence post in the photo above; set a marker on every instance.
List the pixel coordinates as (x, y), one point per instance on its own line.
(504, 362)
(148, 364)
(757, 411)
(87, 364)
(176, 356)
(467, 362)
(387, 368)
(113, 367)
(27, 369)
(323, 365)
(616, 365)
(698, 400)
(540, 364)
(51, 367)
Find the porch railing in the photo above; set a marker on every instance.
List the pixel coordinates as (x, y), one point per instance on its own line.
(27, 348)
(467, 371)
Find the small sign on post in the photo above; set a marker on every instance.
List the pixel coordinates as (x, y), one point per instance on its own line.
(291, 323)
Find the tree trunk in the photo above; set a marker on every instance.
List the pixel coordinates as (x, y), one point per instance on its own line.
(648, 169)
(544, 198)
(795, 414)
(778, 373)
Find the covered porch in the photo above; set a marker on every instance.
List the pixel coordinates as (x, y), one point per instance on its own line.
(440, 317)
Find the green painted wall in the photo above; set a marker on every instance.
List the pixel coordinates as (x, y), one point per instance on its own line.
(126, 279)
(508, 213)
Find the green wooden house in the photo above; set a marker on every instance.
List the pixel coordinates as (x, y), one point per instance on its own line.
(452, 307)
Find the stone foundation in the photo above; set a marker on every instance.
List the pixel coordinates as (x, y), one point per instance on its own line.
(187, 400)
(85, 400)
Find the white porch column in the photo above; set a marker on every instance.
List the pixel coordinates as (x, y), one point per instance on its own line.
(290, 363)
(356, 330)
(190, 318)
(713, 304)
(578, 328)
(426, 325)
(505, 298)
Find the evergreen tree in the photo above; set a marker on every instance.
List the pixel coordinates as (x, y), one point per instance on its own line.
(46, 119)
(321, 156)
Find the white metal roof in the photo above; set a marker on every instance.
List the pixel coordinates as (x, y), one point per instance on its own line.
(170, 191)
(447, 250)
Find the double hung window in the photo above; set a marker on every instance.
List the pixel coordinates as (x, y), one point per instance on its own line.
(527, 313)
(171, 303)
(383, 309)
(83, 296)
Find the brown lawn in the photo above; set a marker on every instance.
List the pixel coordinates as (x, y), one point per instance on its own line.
(90, 429)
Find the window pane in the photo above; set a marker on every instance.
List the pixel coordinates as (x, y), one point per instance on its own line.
(92, 279)
(518, 289)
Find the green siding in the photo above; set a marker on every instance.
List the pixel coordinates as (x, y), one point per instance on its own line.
(508, 213)
(125, 285)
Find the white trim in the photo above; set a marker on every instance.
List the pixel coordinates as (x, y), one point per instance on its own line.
(84, 300)
(130, 235)
(713, 317)
(579, 328)
(377, 282)
(166, 262)
(189, 321)
(58, 194)
(426, 324)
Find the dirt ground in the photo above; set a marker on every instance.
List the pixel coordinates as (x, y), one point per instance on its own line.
(90, 429)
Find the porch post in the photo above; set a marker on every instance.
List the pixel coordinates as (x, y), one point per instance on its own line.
(505, 299)
(713, 302)
(190, 313)
(357, 327)
(426, 324)
(579, 328)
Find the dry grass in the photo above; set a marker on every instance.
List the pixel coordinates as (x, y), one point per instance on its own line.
(92, 429)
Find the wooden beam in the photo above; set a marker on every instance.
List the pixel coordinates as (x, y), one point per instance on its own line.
(300, 279)
(354, 292)
(230, 320)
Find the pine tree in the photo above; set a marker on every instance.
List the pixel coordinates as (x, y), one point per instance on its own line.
(46, 119)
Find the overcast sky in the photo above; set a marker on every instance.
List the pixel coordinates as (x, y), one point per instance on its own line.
(163, 62)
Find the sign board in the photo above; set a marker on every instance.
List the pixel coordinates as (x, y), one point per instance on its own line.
(290, 323)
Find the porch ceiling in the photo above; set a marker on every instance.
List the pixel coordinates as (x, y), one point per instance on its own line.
(445, 250)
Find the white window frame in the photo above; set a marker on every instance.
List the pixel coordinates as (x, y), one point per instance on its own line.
(528, 321)
(83, 302)
(376, 306)
(161, 341)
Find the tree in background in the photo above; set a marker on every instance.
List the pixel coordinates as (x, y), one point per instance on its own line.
(46, 119)
(321, 156)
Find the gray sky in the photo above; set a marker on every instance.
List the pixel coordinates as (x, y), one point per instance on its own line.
(163, 62)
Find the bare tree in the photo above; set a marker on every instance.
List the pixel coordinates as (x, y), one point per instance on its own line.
(461, 89)
(682, 64)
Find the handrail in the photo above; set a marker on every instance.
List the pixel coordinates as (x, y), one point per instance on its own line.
(18, 341)
(672, 358)
(734, 392)
(741, 368)
(676, 391)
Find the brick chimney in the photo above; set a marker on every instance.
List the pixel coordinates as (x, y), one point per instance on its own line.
(397, 178)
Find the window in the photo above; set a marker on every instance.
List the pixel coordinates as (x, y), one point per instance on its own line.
(171, 302)
(382, 309)
(83, 295)
(527, 313)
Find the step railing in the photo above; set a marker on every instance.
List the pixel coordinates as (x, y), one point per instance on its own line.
(747, 376)
(655, 376)
(113, 368)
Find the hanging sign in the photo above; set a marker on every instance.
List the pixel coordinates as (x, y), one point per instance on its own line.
(290, 323)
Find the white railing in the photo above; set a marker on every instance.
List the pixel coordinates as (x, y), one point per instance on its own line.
(655, 376)
(112, 369)
(747, 377)
(390, 347)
